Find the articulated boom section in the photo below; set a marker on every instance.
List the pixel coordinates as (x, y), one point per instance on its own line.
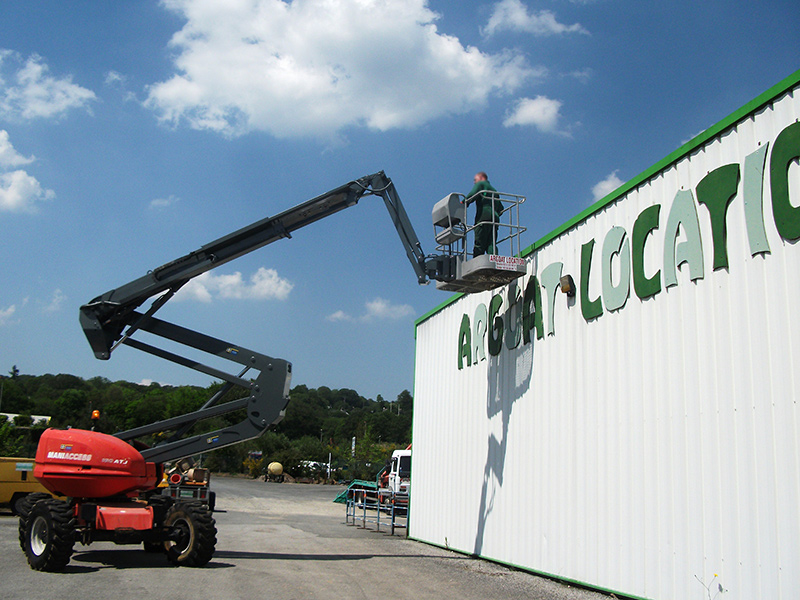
(112, 318)
(264, 406)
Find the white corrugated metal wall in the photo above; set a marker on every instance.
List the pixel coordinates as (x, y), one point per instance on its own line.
(647, 449)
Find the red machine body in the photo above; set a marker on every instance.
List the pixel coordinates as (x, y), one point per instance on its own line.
(90, 464)
(127, 516)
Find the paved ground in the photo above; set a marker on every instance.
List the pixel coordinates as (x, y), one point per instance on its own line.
(276, 541)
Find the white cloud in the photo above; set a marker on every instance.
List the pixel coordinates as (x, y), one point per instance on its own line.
(541, 112)
(339, 315)
(118, 81)
(114, 78)
(383, 309)
(6, 314)
(316, 67)
(264, 284)
(605, 187)
(35, 93)
(580, 75)
(55, 302)
(162, 203)
(377, 309)
(513, 15)
(20, 192)
(9, 157)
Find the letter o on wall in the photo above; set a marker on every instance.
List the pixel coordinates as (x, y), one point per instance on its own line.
(616, 243)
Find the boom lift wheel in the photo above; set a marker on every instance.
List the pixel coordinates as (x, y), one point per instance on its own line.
(23, 509)
(49, 535)
(196, 534)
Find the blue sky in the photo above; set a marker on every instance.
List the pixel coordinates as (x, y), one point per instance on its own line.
(133, 132)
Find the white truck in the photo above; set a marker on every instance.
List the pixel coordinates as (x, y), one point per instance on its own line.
(396, 476)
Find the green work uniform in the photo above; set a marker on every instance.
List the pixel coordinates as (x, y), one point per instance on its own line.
(487, 211)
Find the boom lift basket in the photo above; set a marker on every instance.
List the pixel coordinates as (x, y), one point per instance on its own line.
(455, 237)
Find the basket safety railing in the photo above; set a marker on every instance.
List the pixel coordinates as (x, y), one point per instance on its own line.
(505, 229)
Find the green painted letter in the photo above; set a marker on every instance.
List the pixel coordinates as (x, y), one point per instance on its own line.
(551, 276)
(496, 331)
(464, 343)
(646, 222)
(683, 214)
(753, 193)
(532, 311)
(715, 191)
(478, 333)
(785, 150)
(513, 316)
(616, 242)
(590, 309)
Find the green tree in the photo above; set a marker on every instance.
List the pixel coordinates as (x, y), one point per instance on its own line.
(11, 442)
(70, 409)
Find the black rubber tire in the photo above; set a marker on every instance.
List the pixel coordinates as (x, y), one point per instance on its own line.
(49, 535)
(198, 534)
(23, 508)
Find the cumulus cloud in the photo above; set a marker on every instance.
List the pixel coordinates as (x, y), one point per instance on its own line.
(56, 301)
(377, 309)
(580, 75)
(264, 284)
(20, 192)
(9, 157)
(115, 78)
(316, 67)
(513, 15)
(32, 92)
(28, 91)
(339, 315)
(6, 314)
(541, 112)
(162, 203)
(605, 187)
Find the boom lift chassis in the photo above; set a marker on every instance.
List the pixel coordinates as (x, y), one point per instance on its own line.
(111, 481)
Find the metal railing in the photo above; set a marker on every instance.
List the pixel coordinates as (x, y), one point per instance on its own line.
(506, 230)
(381, 507)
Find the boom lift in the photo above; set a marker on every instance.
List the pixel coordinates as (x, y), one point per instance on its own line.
(111, 480)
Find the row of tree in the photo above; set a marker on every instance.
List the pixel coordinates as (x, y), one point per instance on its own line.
(320, 423)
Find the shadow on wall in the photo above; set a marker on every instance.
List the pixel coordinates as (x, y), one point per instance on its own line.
(500, 400)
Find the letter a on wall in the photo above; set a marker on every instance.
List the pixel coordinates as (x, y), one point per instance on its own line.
(682, 215)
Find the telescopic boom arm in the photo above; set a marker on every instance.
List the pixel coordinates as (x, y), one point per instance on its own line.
(112, 318)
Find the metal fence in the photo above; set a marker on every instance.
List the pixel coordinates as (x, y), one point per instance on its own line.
(378, 507)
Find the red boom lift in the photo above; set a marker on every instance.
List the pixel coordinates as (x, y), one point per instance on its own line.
(111, 481)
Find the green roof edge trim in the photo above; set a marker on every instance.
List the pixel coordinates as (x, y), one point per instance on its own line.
(433, 311)
(564, 580)
(759, 102)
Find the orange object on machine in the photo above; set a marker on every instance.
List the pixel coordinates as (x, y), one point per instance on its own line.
(139, 518)
(90, 464)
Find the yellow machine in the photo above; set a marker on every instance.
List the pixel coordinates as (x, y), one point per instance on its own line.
(17, 481)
